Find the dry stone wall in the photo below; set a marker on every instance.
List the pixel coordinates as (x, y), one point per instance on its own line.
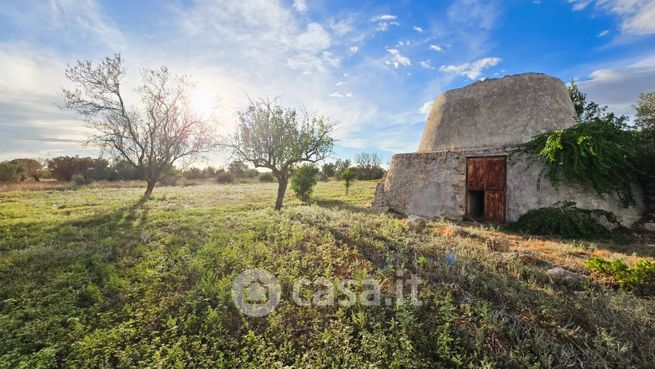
(433, 185)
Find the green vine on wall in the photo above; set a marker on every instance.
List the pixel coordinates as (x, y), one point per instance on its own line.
(600, 152)
(597, 154)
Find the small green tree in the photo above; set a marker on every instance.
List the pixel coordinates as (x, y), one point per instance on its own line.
(348, 176)
(340, 166)
(303, 181)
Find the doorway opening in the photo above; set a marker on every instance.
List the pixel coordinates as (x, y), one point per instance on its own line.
(485, 188)
(475, 204)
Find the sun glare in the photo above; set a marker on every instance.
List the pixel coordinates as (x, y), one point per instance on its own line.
(203, 102)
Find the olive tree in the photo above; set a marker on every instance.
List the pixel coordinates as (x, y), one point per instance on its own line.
(277, 138)
(164, 132)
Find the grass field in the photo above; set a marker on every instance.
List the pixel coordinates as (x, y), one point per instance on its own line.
(94, 278)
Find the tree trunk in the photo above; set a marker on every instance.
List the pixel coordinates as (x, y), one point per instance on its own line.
(149, 188)
(281, 189)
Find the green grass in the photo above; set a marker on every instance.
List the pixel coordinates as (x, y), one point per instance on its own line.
(92, 278)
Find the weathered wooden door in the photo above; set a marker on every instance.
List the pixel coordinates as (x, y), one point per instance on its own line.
(488, 174)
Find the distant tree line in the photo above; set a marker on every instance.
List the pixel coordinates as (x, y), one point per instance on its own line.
(88, 169)
(367, 166)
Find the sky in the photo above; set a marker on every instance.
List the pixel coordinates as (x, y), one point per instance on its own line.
(373, 67)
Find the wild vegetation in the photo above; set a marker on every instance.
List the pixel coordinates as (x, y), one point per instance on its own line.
(640, 278)
(568, 221)
(600, 152)
(96, 278)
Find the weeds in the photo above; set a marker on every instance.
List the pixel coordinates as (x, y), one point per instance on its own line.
(98, 281)
(640, 278)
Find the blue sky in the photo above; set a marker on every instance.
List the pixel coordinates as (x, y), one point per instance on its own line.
(372, 66)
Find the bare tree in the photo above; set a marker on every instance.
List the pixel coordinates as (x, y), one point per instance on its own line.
(165, 132)
(274, 137)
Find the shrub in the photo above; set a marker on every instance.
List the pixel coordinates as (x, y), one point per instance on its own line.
(567, 221)
(192, 173)
(63, 168)
(224, 178)
(237, 168)
(171, 178)
(329, 169)
(78, 180)
(9, 172)
(266, 177)
(251, 173)
(29, 168)
(303, 181)
(348, 175)
(640, 278)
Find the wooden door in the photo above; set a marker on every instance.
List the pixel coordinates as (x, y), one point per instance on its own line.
(494, 174)
(475, 169)
(494, 206)
(488, 174)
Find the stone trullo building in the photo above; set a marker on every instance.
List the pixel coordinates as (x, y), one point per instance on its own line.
(463, 168)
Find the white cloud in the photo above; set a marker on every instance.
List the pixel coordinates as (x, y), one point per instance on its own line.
(339, 95)
(383, 17)
(619, 88)
(300, 5)
(314, 39)
(471, 70)
(426, 64)
(385, 21)
(436, 48)
(354, 49)
(397, 59)
(343, 26)
(426, 107)
(637, 16)
(418, 29)
(603, 33)
(403, 43)
(579, 5)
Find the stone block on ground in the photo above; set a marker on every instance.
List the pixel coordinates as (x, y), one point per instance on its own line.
(564, 276)
(416, 223)
(497, 244)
